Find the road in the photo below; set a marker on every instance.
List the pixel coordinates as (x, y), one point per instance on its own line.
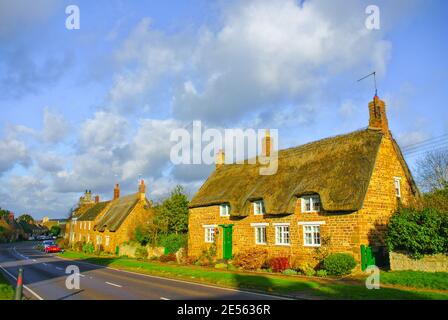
(45, 279)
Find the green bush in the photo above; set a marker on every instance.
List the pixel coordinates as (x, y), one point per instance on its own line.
(78, 245)
(173, 242)
(141, 253)
(170, 257)
(321, 273)
(88, 248)
(338, 264)
(418, 232)
(290, 272)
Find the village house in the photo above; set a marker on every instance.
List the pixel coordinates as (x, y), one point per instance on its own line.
(108, 224)
(337, 193)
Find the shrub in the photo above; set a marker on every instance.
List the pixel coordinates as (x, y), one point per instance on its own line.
(338, 264)
(221, 266)
(251, 259)
(208, 255)
(141, 253)
(279, 264)
(321, 273)
(290, 272)
(78, 245)
(167, 257)
(98, 249)
(62, 243)
(418, 232)
(173, 242)
(88, 248)
(306, 268)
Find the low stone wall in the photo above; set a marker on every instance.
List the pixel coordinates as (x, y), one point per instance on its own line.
(430, 263)
(129, 250)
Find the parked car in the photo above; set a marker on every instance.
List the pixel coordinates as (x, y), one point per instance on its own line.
(46, 243)
(52, 249)
(31, 238)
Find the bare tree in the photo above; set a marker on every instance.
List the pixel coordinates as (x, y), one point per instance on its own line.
(432, 170)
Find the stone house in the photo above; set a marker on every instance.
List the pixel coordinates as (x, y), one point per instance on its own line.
(334, 194)
(111, 223)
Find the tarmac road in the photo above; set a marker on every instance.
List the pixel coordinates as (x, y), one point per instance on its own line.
(45, 279)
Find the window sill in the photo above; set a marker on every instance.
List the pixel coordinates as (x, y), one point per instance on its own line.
(312, 245)
(260, 244)
(283, 244)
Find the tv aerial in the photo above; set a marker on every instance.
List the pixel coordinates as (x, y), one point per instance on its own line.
(374, 80)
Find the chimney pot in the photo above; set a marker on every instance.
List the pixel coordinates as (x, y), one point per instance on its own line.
(116, 191)
(220, 158)
(266, 145)
(97, 199)
(142, 189)
(377, 115)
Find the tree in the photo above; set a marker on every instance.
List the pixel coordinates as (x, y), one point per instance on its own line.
(432, 171)
(26, 217)
(55, 230)
(437, 199)
(4, 213)
(173, 212)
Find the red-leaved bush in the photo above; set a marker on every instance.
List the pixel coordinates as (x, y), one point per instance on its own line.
(279, 264)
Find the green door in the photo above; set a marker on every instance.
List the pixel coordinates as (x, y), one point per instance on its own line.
(227, 242)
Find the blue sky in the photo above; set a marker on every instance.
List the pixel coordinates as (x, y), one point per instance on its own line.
(83, 109)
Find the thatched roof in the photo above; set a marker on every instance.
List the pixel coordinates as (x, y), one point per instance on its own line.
(337, 168)
(94, 211)
(117, 213)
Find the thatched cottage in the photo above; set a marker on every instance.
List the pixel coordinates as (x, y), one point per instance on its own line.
(336, 193)
(108, 224)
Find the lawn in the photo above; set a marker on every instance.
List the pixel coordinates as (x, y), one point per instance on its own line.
(416, 279)
(295, 286)
(6, 290)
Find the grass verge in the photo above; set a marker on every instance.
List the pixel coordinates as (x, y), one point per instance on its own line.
(296, 286)
(416, 279)
(6, 290)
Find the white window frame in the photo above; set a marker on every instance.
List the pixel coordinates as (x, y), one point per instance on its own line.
(224, 210)
(312, 199)
(279, 226)
(259, 208)
(107, 241)
(312, 225)
(209, 235)
(88, 237)
(90, 225)
(258, 226)
(397, 186)
(99, 240)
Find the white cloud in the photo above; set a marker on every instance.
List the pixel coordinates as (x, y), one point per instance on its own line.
(55, 127)
(13, 152)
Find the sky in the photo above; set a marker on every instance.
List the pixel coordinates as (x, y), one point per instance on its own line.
(91, 107)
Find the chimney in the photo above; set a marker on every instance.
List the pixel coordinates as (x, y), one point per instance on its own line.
(116, 191)
(11, 216)
(266, 145)
(142, 189)
(377, 115)
(97, 199)
(220, 158)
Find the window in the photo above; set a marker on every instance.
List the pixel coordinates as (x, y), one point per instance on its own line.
(88, 238)
(259, 207)
(80, 237)
(99, 240)
(107, 240)
(260, 235)
(397, 183)
(260, 232)
(310, 203)
(311, 235)
(224, 210)
(282, 234)
(89, 225)
(209, 233)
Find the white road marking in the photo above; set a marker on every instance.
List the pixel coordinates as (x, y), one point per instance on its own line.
(183, 281)
(34, 260)
(113, 284)
(45, 264)
(163, 298)
(26, 287)
(59, 268)
(81, 275)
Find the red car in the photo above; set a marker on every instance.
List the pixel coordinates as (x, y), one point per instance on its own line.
(52, 249)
